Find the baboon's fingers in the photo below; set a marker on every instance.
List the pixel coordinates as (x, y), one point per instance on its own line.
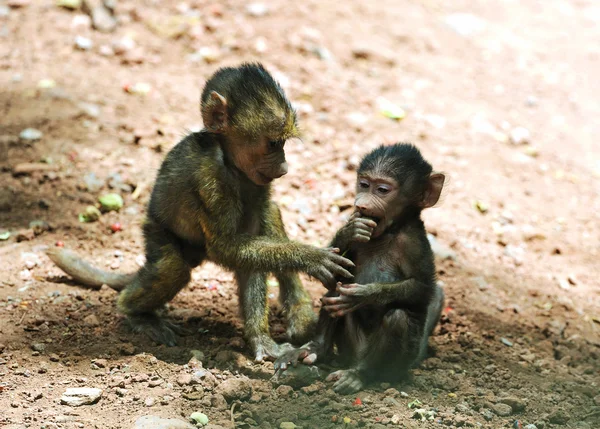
(354, 215)
(334, 376)
(310, 359)
(337, 270)
(335, 308)
(340, 260)
(347, 385)
(362, 238)
(335, 300)
(368, 223)
(363, 229)
(324, 276)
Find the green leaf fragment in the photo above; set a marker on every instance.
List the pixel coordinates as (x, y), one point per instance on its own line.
(414, 404)
(4, 236)
(69, 4)
(91, 214)
(199, 418)
(111, 202)
(390, 110)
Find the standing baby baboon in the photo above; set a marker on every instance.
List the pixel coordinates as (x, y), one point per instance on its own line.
(381, 323)
(212, 201)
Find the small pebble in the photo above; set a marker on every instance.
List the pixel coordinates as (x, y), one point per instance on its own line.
(83, 43)
(155, 382)
(257, 9)
(80, 396)
(502, 410)
(506, 342)
(487, 414)
(38, 347)
(465, 24)
(31, 134)
(184, 379)
(519, 136)
(90, 109)
(149, 401)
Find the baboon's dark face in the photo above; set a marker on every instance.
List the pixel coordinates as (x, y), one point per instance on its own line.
(262, 160)
(379, 198)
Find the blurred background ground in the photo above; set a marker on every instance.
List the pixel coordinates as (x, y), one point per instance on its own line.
(502, 96)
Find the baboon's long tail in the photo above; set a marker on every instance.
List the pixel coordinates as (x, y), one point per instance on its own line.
(87, 274)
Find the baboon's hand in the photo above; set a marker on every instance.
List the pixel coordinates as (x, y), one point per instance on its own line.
(351, 297)
(289, 358)
(308, 354)
(327, 264)
(357, 230)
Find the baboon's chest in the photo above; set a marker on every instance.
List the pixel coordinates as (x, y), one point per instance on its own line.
(377, 262)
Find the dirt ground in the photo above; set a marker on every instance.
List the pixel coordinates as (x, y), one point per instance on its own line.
(500, 95)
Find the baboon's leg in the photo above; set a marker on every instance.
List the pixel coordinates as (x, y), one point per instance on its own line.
(165, 273)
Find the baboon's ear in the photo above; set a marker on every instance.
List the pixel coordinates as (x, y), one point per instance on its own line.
(214, 113)
(433, 190)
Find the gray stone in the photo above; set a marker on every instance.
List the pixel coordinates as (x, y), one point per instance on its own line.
(235, 389)
(502, 410)
(515, 403)
(38, 347)
(155, 422)
(487, 414)
(77, 396)
(559, 417)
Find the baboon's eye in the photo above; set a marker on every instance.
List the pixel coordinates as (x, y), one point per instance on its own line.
(276, 144)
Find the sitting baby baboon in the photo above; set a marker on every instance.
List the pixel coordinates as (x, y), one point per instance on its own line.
(381, 323)
(212, 201)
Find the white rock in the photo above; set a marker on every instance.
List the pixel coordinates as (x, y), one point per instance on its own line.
(155, 422)
(257, 9)
(123, 45)
(519, 136)
(436, 121)
(25, 274)
(77, 396)
(31, 134)
(90, 109)
(30, 259)
(81, 21)
(465, 24)
(83, 43)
